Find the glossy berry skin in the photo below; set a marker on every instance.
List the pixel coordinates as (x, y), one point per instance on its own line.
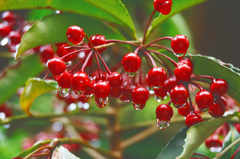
(62, 51)
(46, 53)
(75, 34)
(216, 110)
(8, 16)
(64, 79)
(89, 89)
(183, 72)
(213, 141)
(160, 92)
(204, 100)
(56, 66)
(156, 77)
(180, 44)
(179, 95)
(97, 40)
(187, 62)
(185, 110)
(170, 83)
(79, 81)
(164, 112)
(131, 62)
(219, 87)
(163, 6)
(115, 80)
(140, 95)
(192, 119)
(101, 89)
(15, 37)
(4, 30)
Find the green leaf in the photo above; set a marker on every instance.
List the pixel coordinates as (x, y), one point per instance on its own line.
(231, 137)
(197, 134)
(176, 144)
(177, 6)
(112, 11)
(17, 74)
(52, 29)
(35, 87)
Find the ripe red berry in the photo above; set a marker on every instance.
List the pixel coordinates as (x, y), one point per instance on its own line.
(15, 37)
(62, 51)
(115, 80)
(4, 30)
(219, 87)
(156, 77)
(140, 95)
(8, 16)
(221, 100)
(127, 91)
(160, 92)
(164, 112)
(163, 6)
(89, 90)
(79, 82)
(216, 110)
(101, 89)
(183, 72)
(97, 40)
(180, 44)
(187, 62)
(185, 110)
(213, 141)
(56, 66)
(179, 95)
(64, 79)
(204, 100)
(131, 62)
(170, 83)
(192, 119)
(75, 34)
(46, 53)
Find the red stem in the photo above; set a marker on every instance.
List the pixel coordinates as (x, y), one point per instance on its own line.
(146, 29)
(205, 76)
(170, 73)
(196, 84)
(86, 61)
(164, 47)
(190, 100)
(137, 49)
(175, 63)
(78, 64)
(120, 41)
(99, 70)
(235, 153)
(116, 66)
(140, 75)
(105, 65)
(163, 38)
(169, 102)
(74, 52)
(151, 59)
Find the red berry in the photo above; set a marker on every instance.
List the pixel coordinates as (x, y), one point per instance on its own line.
(79, 82)
(213, 141)
(219, 87)
(115, 92)
(88, 136)
(46, 53)
(62, 51)
(185, 110)
(179, 95)
(160, 92)
(187, 62)
(8, 16)
(164, 112)
(89, 90)
(115, 80)
(221, 100)
(180, 44)
(140, 95)
(131, 62)
(183, 72)
(4, 30)
(204, 100)
(75, 34)
(64, 79)
(156, 77)
(170, 83)
(163, 6)
(7, 111)
(97, 40)
(101, 89)
(127, 92)
(192, 119)
(15, 37)
(56, 66)
(216, 110)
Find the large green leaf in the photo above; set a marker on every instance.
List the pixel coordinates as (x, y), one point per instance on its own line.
(16, 75)
(177, 6)
(231, 137)
(35, 87)
(176, 144)
(197, 134)
(52, 29)
(112, 11)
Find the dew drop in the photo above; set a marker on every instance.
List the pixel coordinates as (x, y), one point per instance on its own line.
(203, 110)
(160, 99)
(176, 105)
(131, 74)
(162, 124)
(63, 92)
(79, 92)
(69, 63)
(138, 106)
(101, 102)
(179, 54)
(4, 41)
(151, 90)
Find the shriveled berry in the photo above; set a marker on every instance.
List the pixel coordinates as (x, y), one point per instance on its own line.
(219, 87)
(156, 77)
(179, 95)
(46, 53)
(164, 112)
(216, 110)
(15, 37)
(62, 51)
(56, 66)
(140, 95)
(180, 44)
(8, 16)
(79, 82)
(185, 110)
(64, 79)
(75, 34)
(163, 6)
(97, 40)
(204, 100)
(101, 89)
(115, 80)
(131, 62)
(170, 83)
(193, 119)
(183, 72)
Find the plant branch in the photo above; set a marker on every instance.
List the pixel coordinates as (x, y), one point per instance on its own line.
(146, 29)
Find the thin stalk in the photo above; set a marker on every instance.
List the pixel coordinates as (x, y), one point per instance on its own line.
(105, 65)
(151, 59)
(116, 66)
(201, 155)
(146, 29)
(140, 75)
(204, 76)
(196, 84)
(235, 153)
(160, 46)
(137, 49)
(74, 52)
(86, 61)
(163, 38)
(98, 65)
(190, 100)
(78, 64)
(124, 42)
(170, 73)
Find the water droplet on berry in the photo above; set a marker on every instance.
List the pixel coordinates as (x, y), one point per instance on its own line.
(138, 106)
(63, 92)
(160, 99)
(162, 124)
(156, 87)
(4, 41)
(101, 102)
(79, 92)
(69, 63)
(151, 90)
(179, 105)
(179, 54)
(216, 149)
(131, 74)
(203, 110)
